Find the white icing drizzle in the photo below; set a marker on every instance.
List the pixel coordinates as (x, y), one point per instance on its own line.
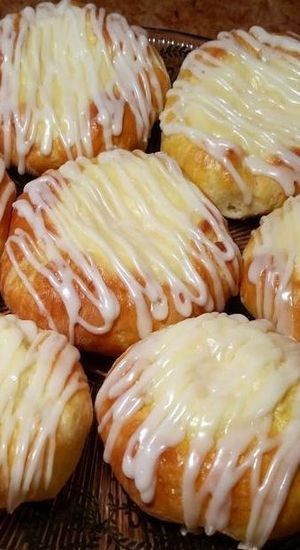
(36, 383)
(61, 62)
(245, 102)
(137, 217)
(287, 43)
(276, 256)
(216, 381)
(8, 191)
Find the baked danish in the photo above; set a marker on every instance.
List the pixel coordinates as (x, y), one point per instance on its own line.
(7, 196)
(109, 249)
(232, 120)
(271, 269)
(46, 412)
(74, 81)
(201, 425)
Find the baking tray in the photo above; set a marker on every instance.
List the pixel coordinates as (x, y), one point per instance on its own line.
(92, 512)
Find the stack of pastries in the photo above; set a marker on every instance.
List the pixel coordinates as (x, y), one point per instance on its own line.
(117, 251)
(74, 82)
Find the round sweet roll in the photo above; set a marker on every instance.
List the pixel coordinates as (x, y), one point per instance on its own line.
(74, 81)
(201, 425)
(46, 412)
(7, 196)
(108, 250)
(231, 120)
(270, 285)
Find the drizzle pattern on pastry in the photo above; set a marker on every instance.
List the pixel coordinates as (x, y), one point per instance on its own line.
(60, 64)
(238, 98)
(37, 379)
(199, 381)
(273, 263)
(132, 216)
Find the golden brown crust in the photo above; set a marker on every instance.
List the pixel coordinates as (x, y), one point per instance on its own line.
(5, 219)
(213, 178)
(124, 331)
(36, 163)
(167, 502)
(72, 432)
(248, 290)
(218, 184)
(73, 428)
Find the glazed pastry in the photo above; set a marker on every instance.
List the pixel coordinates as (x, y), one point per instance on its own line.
(46, 412)
(108, 250)
(271, 269)
(7, 196)
(232, 120)
(201, 425)
(74, 81)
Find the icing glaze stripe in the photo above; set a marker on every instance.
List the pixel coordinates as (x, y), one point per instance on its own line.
(201, 381)
(69, 69)
(31, 413)
(136, 218)
(242, 105)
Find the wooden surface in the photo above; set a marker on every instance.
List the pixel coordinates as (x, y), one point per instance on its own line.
(202, 17)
